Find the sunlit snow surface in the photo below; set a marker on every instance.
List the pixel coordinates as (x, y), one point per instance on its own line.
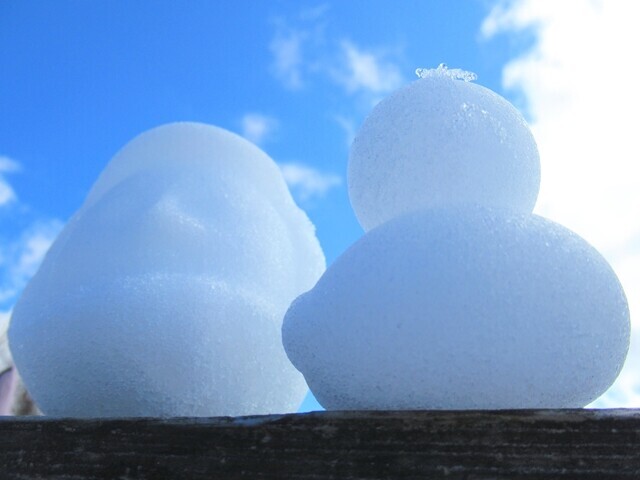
(461, 308)
(164, 294)
(441, 141)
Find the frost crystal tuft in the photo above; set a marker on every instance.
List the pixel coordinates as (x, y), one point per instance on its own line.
(444, 71)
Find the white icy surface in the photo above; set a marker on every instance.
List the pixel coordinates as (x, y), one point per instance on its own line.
(165, 292)
(460, 309)
(437, 142)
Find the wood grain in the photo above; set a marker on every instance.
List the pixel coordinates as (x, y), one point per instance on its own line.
(472, 445)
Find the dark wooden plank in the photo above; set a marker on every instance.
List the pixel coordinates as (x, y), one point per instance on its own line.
(472, 445)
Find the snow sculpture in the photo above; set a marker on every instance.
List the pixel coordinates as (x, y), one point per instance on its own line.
(164, 294)
(457, 296)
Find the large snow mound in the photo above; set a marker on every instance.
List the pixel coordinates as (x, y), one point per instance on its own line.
(165, 292)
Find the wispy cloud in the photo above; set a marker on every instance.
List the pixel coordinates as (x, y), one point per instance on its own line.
(362, 70)
(257, 127)
(301, 50)
(21, 253)
(7, 194)
(304, 51)
(21, 257)
(286, 48)
(297, 44)
(306, 182)
(579, 83)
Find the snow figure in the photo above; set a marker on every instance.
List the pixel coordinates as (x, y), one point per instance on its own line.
(165, 292)
(457, 297)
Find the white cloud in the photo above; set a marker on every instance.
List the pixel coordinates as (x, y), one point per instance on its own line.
(306, 182)
(301, 49)
(286, 48)
(20, 258)
(7, 195)
(21, 253)
(258, 128)
(363, 70)
(579, 81)
(295, 46)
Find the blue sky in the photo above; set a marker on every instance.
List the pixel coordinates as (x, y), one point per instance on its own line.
(82, 78)
(79, 79)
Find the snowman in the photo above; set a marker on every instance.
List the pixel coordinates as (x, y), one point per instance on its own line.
(457, 296)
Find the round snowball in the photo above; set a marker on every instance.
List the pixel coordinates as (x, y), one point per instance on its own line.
(453, 309)
(442, 142)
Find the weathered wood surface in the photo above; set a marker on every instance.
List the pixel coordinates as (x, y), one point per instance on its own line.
(424, 445)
